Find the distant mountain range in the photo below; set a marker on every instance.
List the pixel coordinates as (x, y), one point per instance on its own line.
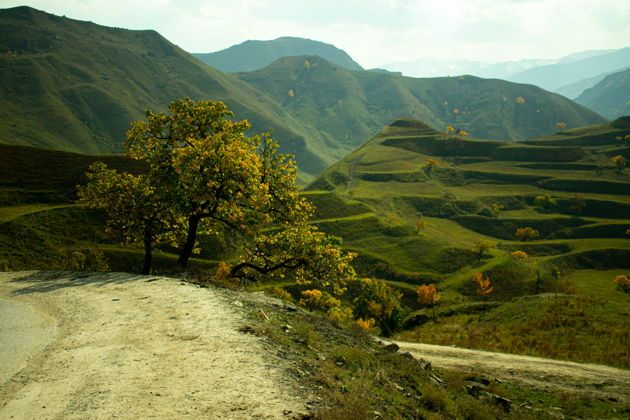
(555, 76)
(254, 55)
(77, 86)
(568, 76)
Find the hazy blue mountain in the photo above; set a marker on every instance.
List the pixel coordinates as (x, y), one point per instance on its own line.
(610, 97)
(555, 76)
(429, 67)
(254, 55)
(582, 55)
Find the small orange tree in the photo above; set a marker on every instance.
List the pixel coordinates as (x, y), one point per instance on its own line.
(526, 233)
(430, 164)
(520, 255)
(623, 282)
(427, 295)
(484, 288)
(561, 126)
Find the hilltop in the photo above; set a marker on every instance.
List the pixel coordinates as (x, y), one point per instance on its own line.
(254, 55)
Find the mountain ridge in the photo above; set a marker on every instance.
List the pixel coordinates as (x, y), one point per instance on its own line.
(255, 54)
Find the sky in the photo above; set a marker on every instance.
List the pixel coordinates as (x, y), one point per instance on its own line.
(373, 32)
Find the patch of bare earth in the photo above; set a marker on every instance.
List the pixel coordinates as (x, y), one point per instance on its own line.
(113, 345)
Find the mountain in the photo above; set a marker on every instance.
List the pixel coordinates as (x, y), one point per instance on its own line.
(350, 106)
(430, 67)
(77, 86)
(254, 55)
(555, 76)
(610, 97)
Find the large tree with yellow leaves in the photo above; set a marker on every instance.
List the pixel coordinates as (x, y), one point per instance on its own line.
(201, 165)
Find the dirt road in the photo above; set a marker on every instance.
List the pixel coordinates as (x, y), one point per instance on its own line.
(116, 345)
(553, 375)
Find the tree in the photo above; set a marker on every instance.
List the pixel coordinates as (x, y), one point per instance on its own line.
(496, 209)
(484, 288)
(520, 255)
(577, 203)
(380, 302)
(526, 233)
(300, 251)
(427, 295)
(623, 282)
(561, 126)
(430, 164)
(481, 248)
(620, 162)
(546, 201)
(204, 176)
(218, 177)
(133, 207)
(420, 226)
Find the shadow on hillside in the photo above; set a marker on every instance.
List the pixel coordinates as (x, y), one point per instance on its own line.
(48, 281)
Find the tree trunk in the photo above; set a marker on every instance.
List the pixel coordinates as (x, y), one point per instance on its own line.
(148, 250)
(193, 224)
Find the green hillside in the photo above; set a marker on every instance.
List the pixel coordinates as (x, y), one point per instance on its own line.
(254, 55)
(352, 106)
(610, 97)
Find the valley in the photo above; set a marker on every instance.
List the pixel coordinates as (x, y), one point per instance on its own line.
(510, 201)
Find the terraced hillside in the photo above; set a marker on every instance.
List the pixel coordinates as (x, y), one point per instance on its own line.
(386, 189)
(414, 224)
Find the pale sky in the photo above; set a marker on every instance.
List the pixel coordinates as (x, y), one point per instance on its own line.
(373, 32)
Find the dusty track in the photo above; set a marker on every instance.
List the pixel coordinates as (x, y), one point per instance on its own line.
(124, 346)
(553, 375)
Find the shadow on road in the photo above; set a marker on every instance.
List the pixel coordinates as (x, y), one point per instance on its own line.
(48, 281)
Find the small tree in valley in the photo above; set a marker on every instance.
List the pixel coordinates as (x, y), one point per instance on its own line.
(526, 233)
(427, 295)
(620, 163)
(481, 248)
(484, 288)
